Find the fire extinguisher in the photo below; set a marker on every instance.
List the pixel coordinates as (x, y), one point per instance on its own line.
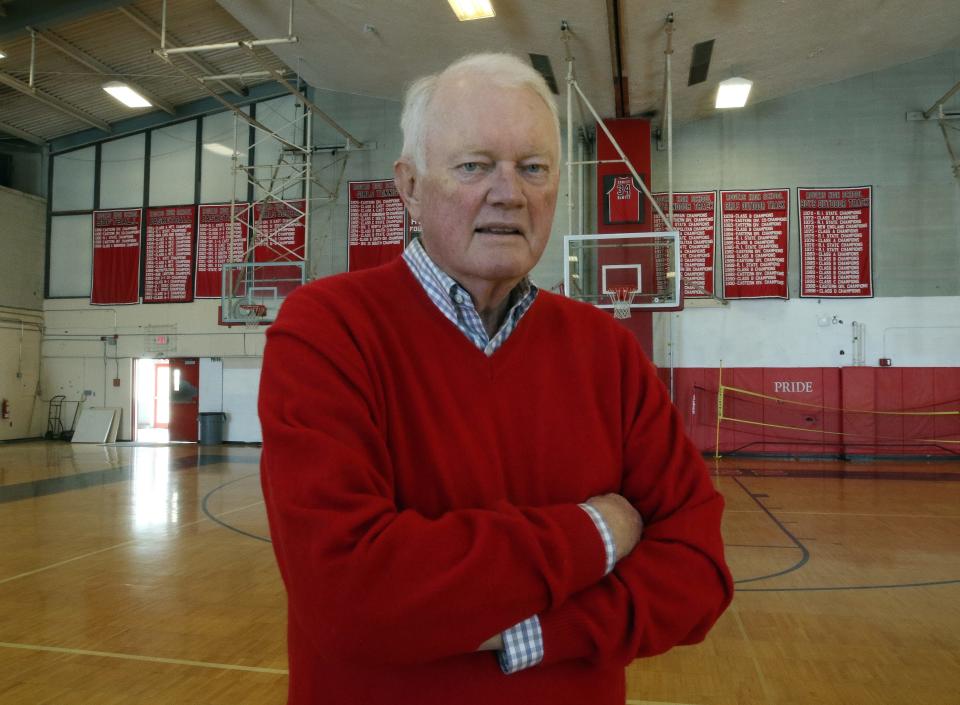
(4, 409)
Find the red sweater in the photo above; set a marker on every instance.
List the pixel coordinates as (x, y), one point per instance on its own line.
(423, 497)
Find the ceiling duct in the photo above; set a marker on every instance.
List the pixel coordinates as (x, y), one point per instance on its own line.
(541, 62)
(700, 62)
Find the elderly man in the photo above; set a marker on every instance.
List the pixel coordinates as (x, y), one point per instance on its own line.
(456, 464)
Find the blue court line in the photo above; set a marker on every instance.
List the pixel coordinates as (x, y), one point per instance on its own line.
(805, 556)
(807, 474)
(221, 522)
(756, 545)
(834, 588)
(94, 478)
(804, 553)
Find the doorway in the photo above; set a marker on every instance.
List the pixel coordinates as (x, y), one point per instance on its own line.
(166, 402)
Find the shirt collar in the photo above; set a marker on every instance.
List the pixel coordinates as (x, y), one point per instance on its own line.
(434, 281)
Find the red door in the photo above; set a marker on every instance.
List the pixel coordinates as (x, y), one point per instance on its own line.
(184, 394)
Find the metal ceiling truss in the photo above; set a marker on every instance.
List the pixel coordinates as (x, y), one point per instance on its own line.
(95, 65)
(573, 89)
(946, 129)
(21, 134)
(51, 101)
(290, 179)
(943, 117)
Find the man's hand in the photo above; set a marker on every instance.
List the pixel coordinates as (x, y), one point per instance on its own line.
(624, 521)
(494, 643)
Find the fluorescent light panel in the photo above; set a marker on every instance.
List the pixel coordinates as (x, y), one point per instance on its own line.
(472, 9)
(733, 93)
(126, 95)
(217, 148)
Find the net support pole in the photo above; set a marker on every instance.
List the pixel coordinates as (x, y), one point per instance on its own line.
(716, 447)
(565, 35)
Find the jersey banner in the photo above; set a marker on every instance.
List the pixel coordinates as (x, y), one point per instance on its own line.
(116, 256)
(377, 224)
(218, 241)
(622, 200)
(835, 242)
(168, 264)
(622, 207)
(279, 231)
(754, 227)
(695, 218)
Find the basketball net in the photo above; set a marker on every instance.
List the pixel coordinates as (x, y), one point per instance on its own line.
(621, 297)
(253, 315)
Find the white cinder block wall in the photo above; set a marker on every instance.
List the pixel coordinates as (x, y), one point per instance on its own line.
(22, 228)
(850, 133)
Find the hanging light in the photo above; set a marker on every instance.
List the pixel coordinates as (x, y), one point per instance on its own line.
(126, 95)
(733, 93)
(472, 9)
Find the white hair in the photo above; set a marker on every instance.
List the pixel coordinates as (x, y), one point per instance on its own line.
(504, 70)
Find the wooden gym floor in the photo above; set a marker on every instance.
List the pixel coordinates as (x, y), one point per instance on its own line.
(143, 574)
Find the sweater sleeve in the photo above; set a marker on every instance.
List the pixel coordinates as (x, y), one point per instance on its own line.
(675, 584)
(368, 579)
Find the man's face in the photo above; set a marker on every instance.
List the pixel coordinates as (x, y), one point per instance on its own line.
(487, 197)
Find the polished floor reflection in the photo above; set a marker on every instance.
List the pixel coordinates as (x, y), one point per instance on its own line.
(144, 574)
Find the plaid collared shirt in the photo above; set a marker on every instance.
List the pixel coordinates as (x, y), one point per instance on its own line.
(456, 303)
(523, 643)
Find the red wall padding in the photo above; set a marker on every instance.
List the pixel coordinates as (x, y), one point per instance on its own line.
(836, 396)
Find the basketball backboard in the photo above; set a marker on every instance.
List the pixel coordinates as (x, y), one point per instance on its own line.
(645, 266)
(253, 291)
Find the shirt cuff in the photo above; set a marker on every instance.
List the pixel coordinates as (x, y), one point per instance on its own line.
(522, 646)
(609, 545)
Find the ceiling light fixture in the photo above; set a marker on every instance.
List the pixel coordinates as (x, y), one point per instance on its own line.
(3, 55)
(220, 149)
(472, 9)
(733, 93)
(126, 95)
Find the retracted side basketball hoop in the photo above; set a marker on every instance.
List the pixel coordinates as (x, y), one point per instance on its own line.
(621, 297)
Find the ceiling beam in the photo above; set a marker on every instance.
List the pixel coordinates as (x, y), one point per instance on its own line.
(17, 132)
(621, 84)
(151, 27)
(82, 57)
(53, 102)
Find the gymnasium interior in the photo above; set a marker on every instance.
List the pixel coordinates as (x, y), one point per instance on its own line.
(171, 170)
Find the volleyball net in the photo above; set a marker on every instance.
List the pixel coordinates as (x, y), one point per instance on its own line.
(749, 421)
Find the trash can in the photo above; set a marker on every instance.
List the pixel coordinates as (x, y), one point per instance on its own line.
(211, 427)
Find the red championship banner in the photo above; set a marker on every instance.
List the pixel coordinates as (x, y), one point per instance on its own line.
(116, 257)
(218, 241)
(754, 230)
(835, 242)
(168, 265)
(377, 224)
(279, 231)
(695, 218)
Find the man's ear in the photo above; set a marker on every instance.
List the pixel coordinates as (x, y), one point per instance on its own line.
(407, 181)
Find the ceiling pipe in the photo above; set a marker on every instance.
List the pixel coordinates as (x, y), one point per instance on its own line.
(146, 24)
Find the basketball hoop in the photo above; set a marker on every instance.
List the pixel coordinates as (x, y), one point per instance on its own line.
(621, 297)
(253, 313)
